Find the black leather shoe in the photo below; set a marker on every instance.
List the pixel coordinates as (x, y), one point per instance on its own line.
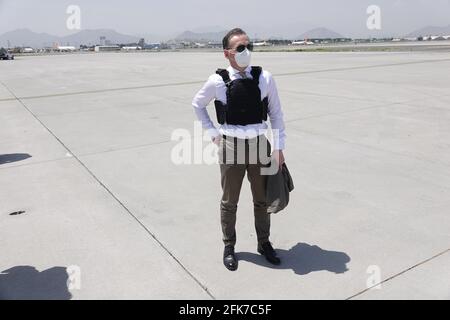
(229, 258)
(267, 251)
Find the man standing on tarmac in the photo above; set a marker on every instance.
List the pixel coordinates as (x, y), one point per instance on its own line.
(245, 97)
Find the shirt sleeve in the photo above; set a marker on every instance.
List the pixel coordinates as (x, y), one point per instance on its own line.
(201, 100)
(275, 115)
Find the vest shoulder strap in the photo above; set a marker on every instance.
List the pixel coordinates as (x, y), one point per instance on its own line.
(225, 76)
(256, 73)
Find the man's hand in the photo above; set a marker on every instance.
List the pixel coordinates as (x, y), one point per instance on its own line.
(278, 156)
(217, 139)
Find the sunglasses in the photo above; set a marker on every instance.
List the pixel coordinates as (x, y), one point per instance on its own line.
(242, 47)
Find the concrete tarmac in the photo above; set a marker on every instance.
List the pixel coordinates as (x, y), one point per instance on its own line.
(85, 152)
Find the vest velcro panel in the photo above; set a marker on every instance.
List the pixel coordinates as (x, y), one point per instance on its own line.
(244, 105)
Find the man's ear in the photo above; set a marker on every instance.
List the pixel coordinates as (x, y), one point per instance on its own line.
(226, 54)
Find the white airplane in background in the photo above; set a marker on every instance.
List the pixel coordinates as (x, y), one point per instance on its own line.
(301, 43)
(65, 48)
(131, 48)
(261, 44)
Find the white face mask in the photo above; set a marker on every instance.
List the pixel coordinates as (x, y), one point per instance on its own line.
(243, 58)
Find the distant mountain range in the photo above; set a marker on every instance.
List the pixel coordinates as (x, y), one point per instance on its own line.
(91, 37)
(201, 36)
(26, 37)
(430, 31)
(319, 33)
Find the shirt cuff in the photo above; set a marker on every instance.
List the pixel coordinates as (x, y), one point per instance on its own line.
(278, 147)
(278, 144)
(213, 132)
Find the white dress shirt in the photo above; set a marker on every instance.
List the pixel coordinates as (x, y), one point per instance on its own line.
(215, 88)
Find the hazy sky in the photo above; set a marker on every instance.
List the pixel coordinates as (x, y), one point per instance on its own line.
(260, 17)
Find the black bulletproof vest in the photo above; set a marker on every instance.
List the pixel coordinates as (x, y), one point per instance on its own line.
(244, 105)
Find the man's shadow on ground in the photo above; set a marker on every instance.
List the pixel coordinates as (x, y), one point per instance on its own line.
(13, 157)
(303, 259)
(27, 283)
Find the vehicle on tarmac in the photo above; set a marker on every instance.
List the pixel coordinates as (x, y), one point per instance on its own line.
(5, 55)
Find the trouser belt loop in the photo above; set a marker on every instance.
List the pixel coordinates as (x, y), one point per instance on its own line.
(257, 150)
(235, 147)
(224, 149)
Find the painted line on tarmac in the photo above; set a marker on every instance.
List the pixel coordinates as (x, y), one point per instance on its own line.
(202, 81)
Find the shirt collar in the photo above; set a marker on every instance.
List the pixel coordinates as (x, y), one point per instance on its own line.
(234, 71)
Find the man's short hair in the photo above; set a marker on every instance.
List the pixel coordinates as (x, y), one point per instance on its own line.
(231, 33)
